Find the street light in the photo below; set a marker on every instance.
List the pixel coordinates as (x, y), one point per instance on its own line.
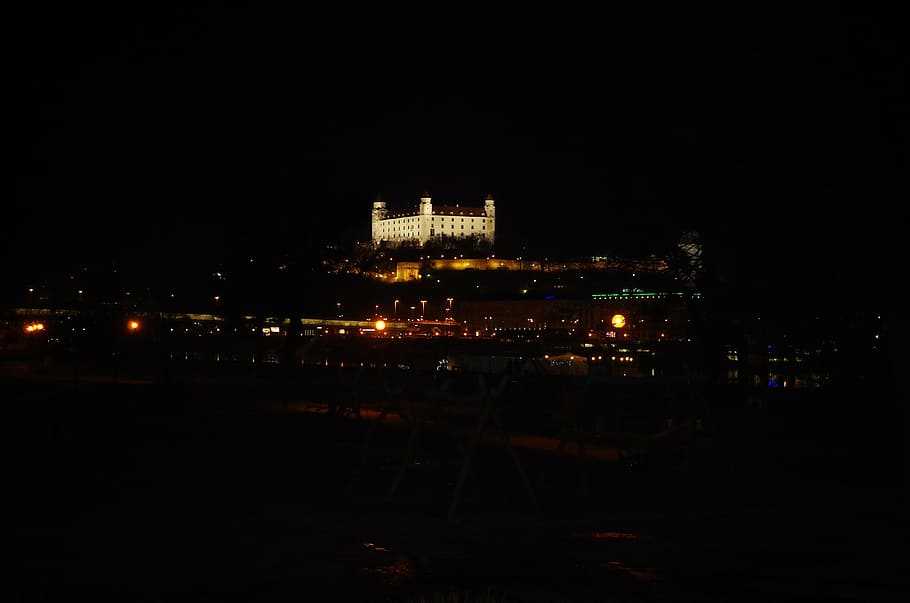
(423, 308)
(396, 310)
(449, 309)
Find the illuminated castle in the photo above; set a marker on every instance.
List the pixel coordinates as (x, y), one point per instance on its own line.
(429, 223)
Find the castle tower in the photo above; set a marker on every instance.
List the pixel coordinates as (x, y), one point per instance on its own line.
(426, 204)
(380, 212)
(489, 206)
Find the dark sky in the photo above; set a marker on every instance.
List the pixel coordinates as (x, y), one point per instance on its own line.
(204, 129)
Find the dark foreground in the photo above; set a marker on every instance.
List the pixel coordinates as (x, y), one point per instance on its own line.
(206, 492)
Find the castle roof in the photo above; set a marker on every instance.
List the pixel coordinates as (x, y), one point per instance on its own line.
(455, 210)
(441, 210)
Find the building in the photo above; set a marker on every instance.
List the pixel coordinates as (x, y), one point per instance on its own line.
(433, 224)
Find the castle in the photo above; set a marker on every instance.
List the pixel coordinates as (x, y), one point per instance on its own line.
(430, 223)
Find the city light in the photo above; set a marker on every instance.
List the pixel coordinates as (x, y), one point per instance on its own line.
(133, 325)
(34, 327)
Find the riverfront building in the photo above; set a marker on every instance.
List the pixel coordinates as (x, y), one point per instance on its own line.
(433, 223)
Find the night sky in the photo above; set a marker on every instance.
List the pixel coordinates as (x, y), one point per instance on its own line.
(150, 133)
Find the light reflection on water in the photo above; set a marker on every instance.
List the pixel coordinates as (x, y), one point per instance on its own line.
(396, 570)
(642, 573)
(611, 535)
(784, 377)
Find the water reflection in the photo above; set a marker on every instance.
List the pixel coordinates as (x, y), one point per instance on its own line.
(394, 570)
(639, 572)
(612, 535)
(777, 373)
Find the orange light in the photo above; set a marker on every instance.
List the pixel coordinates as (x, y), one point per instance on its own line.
(618, 321)
(33, 327)
(133, 325)
(380, 325)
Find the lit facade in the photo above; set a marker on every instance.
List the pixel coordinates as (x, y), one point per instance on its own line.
(429, 223)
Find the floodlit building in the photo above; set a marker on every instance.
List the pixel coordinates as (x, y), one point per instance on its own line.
(433, 223)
